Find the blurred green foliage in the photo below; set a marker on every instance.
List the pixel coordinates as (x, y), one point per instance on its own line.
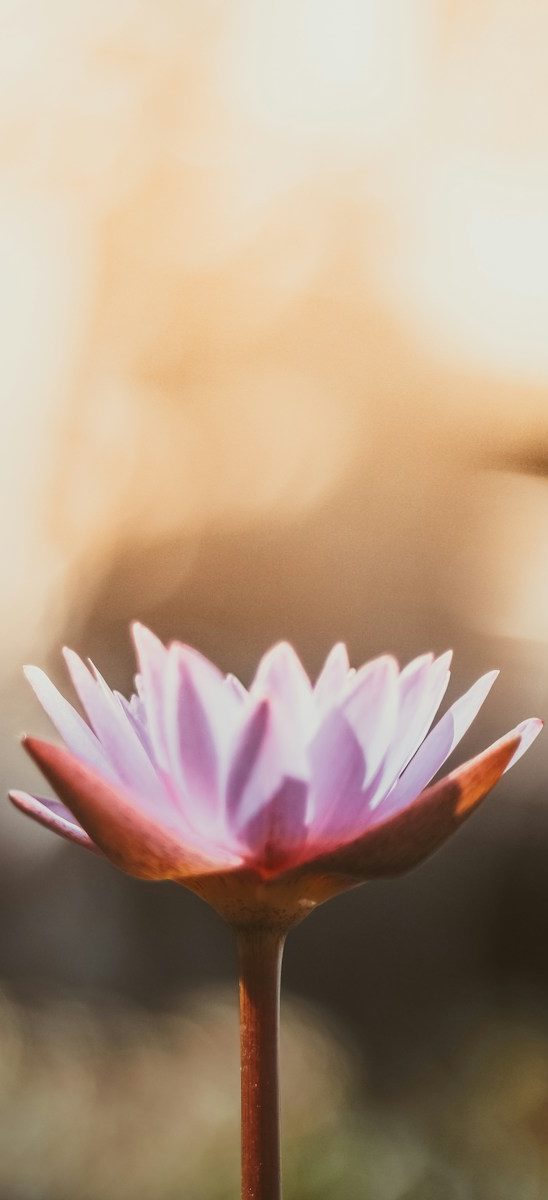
(114, 1103)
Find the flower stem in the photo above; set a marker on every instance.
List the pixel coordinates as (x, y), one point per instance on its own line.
(260, 952)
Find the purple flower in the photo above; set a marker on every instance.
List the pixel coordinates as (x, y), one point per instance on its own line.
(269, 798)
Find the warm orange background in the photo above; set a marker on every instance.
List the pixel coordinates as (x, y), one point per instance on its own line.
(274, 298)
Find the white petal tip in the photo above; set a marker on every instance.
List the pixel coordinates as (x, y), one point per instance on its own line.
(25, 801)
(70, 656)
(40, 682)
(281, 654)
(528, 731)
(141, 635)
(485, 682)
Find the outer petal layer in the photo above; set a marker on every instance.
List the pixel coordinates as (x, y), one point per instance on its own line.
(403, 840)
(116, 733)
(277, 796)
(53, 815)
(68, 723)
(129, 836)
(439, 744)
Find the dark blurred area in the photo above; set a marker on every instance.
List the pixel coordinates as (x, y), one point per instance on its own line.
(274, 305)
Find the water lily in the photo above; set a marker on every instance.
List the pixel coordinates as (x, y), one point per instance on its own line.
(266, 801)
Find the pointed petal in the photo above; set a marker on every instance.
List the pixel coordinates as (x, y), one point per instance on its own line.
(152, 659)
(421, 693)
(401, 841)
(528, 731)
(117, 735)
(265, 754)
(422, 686)
(275, 835)
(129, 836)
(370, 705)
(133, 711)
(439, 744)
(337, 772)
(68, 723)
(248, 782)
(282, 678)
(236, 686)
(198, 714)
(53, 815)
(332, 677)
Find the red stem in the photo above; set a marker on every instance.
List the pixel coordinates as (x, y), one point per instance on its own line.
(260, 958)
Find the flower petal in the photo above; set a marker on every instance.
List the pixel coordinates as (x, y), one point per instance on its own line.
(338, 769)
(130, 836)
(236, 687)
(68, 722)
(528, 731)
(422, 686)
(245, 762)
(134, 710)
(282, 678)
(437, 747)
(332, 677)
(116, 733)
(370, 705)
(408, 835)
(53, 815)
(152, 659)
(265, 755)
(276, 833)
(421, 693)
(199, 714)
(249, 778)
(266, 808)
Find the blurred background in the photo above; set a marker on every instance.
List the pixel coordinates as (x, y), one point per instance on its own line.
(274, 299)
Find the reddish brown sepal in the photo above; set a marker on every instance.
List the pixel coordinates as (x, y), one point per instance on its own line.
(131, 838)
(409, 836)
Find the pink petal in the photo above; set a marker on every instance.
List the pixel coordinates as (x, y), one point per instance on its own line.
(201, 716)
(116, 733)
(421, 693)
(198, 713)
(439, 744)
(201, 664)
(370, 705)
(338, 769)
(266, 808)
(130, 836)
(236, 687)
(133, 709)
(332, 677)
(68, 723)
(276, 833)
(528, 731)
(263, 758)
(53, 815)
(246, 782)
(281, 677)
(152, 658)
(408, 835)
(422, 686)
